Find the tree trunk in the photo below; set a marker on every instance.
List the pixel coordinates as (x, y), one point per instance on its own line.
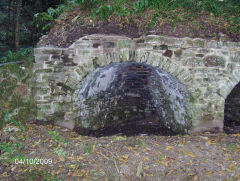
(9, 20)
(16, 27)
(13, 23)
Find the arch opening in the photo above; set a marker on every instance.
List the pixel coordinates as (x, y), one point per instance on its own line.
(131, 98)
(232, 111)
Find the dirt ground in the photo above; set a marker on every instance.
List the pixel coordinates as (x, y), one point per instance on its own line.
(150, 158)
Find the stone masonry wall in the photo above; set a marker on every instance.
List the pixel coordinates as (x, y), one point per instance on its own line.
(209, 69)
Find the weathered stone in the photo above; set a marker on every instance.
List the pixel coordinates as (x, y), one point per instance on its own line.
(96, 45)
(52, 51)
(66, 124)
(95, 62)
(235, 58)
(68, 61)
(198, 43)
(160, 47)
(108, 44)
(44, 70)
(178, 53)
(168, 53)
(42, 58)
(199, 55)
(211, 61)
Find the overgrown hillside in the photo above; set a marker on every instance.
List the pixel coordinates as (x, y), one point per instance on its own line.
(180, 18)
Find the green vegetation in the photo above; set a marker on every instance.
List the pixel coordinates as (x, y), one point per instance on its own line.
(16, 87)
(10, 144)
(88, 148)
(192, 18)
(23, 55)
(42, 21)
(102, 9)
(60, 152)
(55, 136)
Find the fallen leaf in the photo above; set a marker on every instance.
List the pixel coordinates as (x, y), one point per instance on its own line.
(5, 174)
(233, 164)
(139, 169)
(164, 163)
(209, 173)
(210, 142)
(72, 166)
(190, 154)
(75, 173)
(61, 158)
(169, 148)
(125, 157)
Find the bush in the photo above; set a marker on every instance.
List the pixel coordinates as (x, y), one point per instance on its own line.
(24, 55)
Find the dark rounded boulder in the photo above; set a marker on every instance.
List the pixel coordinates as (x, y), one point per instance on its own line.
(132, 96)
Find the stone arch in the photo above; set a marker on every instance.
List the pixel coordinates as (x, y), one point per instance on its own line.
(149, 58)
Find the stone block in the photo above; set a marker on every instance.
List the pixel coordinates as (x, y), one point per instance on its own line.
(45, 108)
(53, 51)
(46, 70)
(43, 91)
(124, 44)
(213, 60)
(42, 58)
(178, 53)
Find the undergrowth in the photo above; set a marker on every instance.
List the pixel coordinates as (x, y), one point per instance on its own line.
(10, 143)
(170, 11)
(23, 55)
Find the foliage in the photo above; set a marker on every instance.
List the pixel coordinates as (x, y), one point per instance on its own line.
(166, 9)
(60, 151)
(141, 5)
(55, 136)
(88, 148)
(43, 21)
(120, 9)
(11, 145)
(88, 4)
(103, 12)
(9, 121)
(24, 55)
